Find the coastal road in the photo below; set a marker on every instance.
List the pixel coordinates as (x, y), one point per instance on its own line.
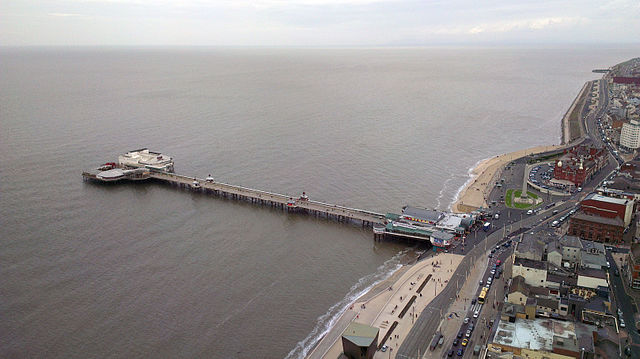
(417, 341)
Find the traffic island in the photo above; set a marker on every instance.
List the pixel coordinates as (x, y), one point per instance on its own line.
(514, 199)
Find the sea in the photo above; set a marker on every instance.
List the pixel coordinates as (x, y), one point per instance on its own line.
(145, 270)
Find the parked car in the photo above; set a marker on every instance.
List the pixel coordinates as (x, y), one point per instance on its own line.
(456, 342)
(450, 353)
(460, 352)
(465, 341)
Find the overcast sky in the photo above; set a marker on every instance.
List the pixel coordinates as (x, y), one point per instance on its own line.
(316, 22)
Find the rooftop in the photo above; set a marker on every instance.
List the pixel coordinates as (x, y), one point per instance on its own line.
(530, 263)
(597, 219)
(534, 334)
(429, 215)
(594, 273)
(360, 334)
(570, 241)
(601, 198)
(531, 245)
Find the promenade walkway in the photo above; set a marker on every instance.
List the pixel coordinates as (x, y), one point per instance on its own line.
(270, 198)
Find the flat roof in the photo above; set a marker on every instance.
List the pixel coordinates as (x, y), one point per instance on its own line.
(530, 263)
(534, 334)
(360, 334)
(597, 219)
(601, 198)
(422, 213)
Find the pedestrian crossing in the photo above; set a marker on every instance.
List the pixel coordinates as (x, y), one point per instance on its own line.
(475, 307)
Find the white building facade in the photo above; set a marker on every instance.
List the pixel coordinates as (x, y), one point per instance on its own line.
(630, 134)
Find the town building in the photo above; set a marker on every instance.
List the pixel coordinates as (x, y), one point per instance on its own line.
(534, 272)
(630, 134)
(360, 341)
(633, 266)
(543, 338)
(580, 163)
(530, 247)
(609, 207)
(596, 228)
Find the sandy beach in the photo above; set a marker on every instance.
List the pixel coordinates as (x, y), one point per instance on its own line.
(474, 194)
(383, 308)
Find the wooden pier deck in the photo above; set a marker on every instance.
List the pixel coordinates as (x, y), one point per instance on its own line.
(334, 211)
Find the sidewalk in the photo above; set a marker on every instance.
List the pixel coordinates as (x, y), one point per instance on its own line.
(452, 322)
(383, 309)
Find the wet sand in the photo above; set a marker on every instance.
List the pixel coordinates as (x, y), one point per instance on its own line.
(474, 194)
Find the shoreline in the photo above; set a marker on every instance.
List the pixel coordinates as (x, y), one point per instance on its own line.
(473, 194)
(380, 306)
(469, 197)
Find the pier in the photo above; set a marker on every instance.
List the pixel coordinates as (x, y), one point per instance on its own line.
(288, 203)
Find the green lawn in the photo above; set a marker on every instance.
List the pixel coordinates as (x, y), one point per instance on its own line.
(508, 199)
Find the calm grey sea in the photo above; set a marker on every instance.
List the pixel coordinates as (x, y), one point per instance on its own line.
(150, 271)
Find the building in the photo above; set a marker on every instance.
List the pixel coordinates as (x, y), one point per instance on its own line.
(596, 228)
(421, 215)
(571, 249)
(530, 247)
(544, 338)
(359, 341)
(143, 158)
(580, 163)
(554, 253)
(609, 207)
(630, 134)
(633, 266)
(592, 278)
(533, 272)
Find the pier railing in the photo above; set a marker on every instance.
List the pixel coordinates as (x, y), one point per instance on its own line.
(270, 198)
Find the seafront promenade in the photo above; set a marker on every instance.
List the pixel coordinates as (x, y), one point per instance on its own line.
(395, 309)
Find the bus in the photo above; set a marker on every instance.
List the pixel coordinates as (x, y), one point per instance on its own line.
(483, 295)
